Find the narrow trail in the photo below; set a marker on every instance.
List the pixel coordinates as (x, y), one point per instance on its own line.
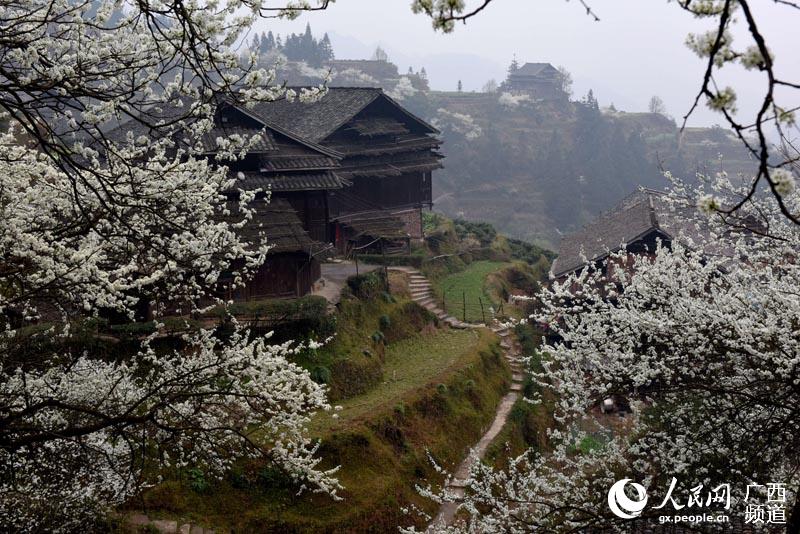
(422, 294)
(456, 486)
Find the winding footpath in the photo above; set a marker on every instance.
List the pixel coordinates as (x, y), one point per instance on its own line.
(422, 294)
(456, 485)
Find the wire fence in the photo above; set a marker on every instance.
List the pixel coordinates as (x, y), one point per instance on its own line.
(469, 308)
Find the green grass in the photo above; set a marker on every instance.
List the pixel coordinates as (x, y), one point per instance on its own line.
(469, 285)
(409, 364)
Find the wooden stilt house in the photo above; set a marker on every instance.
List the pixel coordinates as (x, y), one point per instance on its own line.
(386, 157)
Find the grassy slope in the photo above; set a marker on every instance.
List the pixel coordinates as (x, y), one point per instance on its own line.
(409, 364)
(447, 388)
(470, 284)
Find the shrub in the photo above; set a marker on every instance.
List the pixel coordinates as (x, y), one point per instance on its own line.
(441, 389)
(367, 286)
(385, 322)
(197, 480)
(321, 374)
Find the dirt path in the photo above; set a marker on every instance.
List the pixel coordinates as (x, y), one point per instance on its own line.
(456, 486)
(334, 277)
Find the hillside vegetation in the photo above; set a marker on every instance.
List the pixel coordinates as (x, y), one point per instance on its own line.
(381, 441)
(538, 170)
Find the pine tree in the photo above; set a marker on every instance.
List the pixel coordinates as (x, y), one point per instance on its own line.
(423, 74)
(460, 86)
(263, 48)
(380, 55)
(591, 101)
(292, 48)
(268, 43)
(514, 67)
(326, 48)
(307, 48)
(256, 44)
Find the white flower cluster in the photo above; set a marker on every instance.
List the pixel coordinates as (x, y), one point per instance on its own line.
(241, 398)
(459, 123)
(109, 203)
(511, 100)
(702, 343)
(402, 90)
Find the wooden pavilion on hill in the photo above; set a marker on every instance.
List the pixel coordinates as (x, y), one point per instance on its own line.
(540, 80)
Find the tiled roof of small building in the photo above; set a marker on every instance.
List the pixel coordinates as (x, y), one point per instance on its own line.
(636, 216)
(535, 69)
(290, 182)
(375, 223)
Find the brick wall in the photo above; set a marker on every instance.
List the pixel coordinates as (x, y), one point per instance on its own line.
(412, 221)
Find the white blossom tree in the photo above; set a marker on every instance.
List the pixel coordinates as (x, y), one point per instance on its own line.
(107, 203)
(701, 338)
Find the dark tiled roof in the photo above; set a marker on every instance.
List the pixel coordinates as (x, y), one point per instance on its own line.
(278, 222)
(317, 120)
(402, 143)
(297, 163)
(376, 223)
(392, 168)
(372, 126)
(536, 69)
(636, 216)
(290, 182)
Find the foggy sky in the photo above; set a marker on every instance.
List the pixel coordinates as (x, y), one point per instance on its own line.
(636, 50)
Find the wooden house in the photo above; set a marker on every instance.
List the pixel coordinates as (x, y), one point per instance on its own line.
(283, 164)
(351, 169)
(634, 225)
(540, 80)
(386, 157)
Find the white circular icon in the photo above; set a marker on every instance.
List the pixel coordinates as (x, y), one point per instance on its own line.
(621, 504)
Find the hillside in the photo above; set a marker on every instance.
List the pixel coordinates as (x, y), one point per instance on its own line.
(536, 170)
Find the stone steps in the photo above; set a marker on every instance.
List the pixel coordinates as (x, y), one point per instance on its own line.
(164, 526)
(422, 293)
